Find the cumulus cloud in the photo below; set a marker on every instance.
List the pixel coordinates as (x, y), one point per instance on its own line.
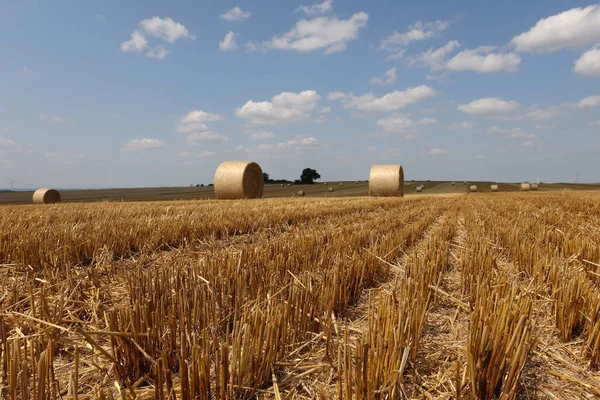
(235, 14)
(329, 33)
(388, 78)
(285, 107)
(595, 123)
(589, 63)
(510, 133)
(228, 43)
(482, 59)
(389, 102)
(461, 125)
(321, 8)
(163, 28)
(489, 107)
(396, 43)
(262, 135)
(159, 52)
(143, 144)
(195, 121)
(401, 124)
(436, 152)
(207, 138)
(570, 29)
(297, 144)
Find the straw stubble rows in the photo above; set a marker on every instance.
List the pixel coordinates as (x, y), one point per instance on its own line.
(478, 296)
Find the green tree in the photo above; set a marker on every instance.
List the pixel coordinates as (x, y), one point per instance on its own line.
(309, 175)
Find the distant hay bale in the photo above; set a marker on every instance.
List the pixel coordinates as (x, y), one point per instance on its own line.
(239, 180)
(525, 187)
(356, 182)
(289, 185)
(281, 185)
(534, 186)
(331, 189)
(324, 183)
(407, 184)
(494, 188)
(465, 182)
(419, 189)
(453, 183)
(386, 180)
(473, 188)
(341, 184)
(301, 193)
(46, 196)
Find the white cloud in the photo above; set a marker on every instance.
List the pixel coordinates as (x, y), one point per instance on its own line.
(251, 47)
(389, 102)
(141, 144)
(329, 33)
(589, 63)
(461, 125)
(435, 152)
(235, 14)
(568, 30)
(595, 123)
(296, 144)
(482, 60)
(588, 102)
(187, 154)
(514, 133)
(388, 78)
(262, 135)
(228, 43)
(7, 144)
(479, 156)
(159, 52)
(418, 31)
(527, 143)
(436, 59)
(438, 78)
(321, 119)
(200, 116)
(136, 44)
(400, 124)
(520, 135)
(238, 148)
(325, 110)
(206, 154)
(321, 8)
(283, 108)
(165, 29)
(207, 137)
(489, 107)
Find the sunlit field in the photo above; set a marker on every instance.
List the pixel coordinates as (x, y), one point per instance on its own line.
(482, 295)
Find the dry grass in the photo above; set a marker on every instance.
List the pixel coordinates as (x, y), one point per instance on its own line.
(431, 297)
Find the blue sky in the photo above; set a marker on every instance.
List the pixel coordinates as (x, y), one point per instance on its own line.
(155, 93)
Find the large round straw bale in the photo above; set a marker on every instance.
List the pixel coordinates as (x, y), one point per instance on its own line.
(473, 188)
(386, 180)
(301, 193)
(494, 188)
(525, 187)
(331, 189)
(534, 186)
(239, 180)
(419, 189)
(46, 196)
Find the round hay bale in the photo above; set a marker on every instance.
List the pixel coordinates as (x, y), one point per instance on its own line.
(473, 188)
(465, 182)
(239, 180)
(419, 189)
(301, 193)
(525, 187)
(453, 183)
(289, 185)
(534, 186)
(341, 184)
(407, 184)
(281, 185)
(324, 183)
(331, 189)
(356, 182)
(46, 196)
(494, 188)
(386, 180)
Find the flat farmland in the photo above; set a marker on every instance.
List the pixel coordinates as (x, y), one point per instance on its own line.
(348, 189)
(483, 295)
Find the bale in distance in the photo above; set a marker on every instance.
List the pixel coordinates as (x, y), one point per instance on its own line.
(301, 193)
(534, 186)
(239, 180)
(386, 180)
(473, 188)
(525, 187)
(494, 188)
(453, 183)
(356, 182)
(324, 183)
(281, 185)
(419, 189)
(341, 184)
(465, 182)
(331, 189)
(407, 184)
(46, 196)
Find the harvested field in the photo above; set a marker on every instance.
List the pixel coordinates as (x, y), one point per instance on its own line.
(448, 296)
